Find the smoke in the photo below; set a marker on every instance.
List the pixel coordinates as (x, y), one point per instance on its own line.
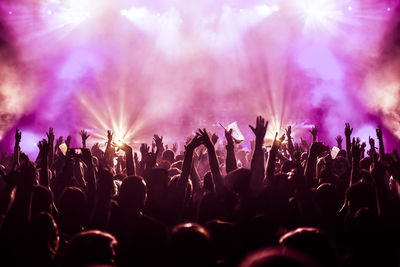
(170, 67)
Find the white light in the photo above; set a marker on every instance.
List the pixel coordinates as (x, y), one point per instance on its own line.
(350, 8)
(321, 15)
(124, 12)
(158, 14)
(263, 10)
(275, 8)
(49, 12)
(241, 10)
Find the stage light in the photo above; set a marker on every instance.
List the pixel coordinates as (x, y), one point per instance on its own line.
(9, 12)
(275, 8)
(263, 10)
(388, 9)
(135, 14)
(49, 12)
(320, 15)
(350, 8)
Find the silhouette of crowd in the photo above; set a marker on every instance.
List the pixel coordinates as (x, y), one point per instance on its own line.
(211, 203)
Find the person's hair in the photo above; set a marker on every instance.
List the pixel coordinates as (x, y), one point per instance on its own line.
(313, 243)
(190, 245)
(132, 194)
(277, 257)
(90, 248)
(168, 155)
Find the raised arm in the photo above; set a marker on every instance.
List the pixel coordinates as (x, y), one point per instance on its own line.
(314, 132)
(44, 152)
(272, 156)
(310, 169)
(339, 141)
(130, 164)
(212, 157)
(50, 139)
(290, 146)
(188, 159)
(347, 133)
(84, 136)
(158, 140)
(380, 139)
(17, 149)
(372, 152)
(355, 166)
(109, 152)
(230, 153)
(257, 162)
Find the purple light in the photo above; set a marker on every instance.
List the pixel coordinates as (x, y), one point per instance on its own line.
(350, 8)
(10, 12)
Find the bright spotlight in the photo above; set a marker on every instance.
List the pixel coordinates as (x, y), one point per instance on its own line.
(388, 9)
(321, 15)
(49, 12)
(275, 8)
(136, 14)
(9, 12)
(263, 10)
(350, 8)
(124, 12)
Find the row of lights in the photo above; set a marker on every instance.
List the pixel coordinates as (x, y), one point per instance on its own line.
(124, 11)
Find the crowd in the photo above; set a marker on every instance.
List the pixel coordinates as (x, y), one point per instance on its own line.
(289, 204)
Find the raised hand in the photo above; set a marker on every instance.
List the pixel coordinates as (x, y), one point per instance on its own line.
(205, 138)
(194, 143)
(130, 163)
(339, 141)
(84, 135)
(371, 142)
(50, 136)
(276, 144)
(260, 130)
(379, 132)
(124, 147)
(314, 132)
(151, 158)
(109, 136)
(356, 149)
(380, 139)
(288, 131)
(59, 141)
(144, 150)
(347, 133)
(229, 138)
(18, 135)
(158, 140)
(17, 149)
(347, 130)
(43, 148)
(68, 142)
(175, 147)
